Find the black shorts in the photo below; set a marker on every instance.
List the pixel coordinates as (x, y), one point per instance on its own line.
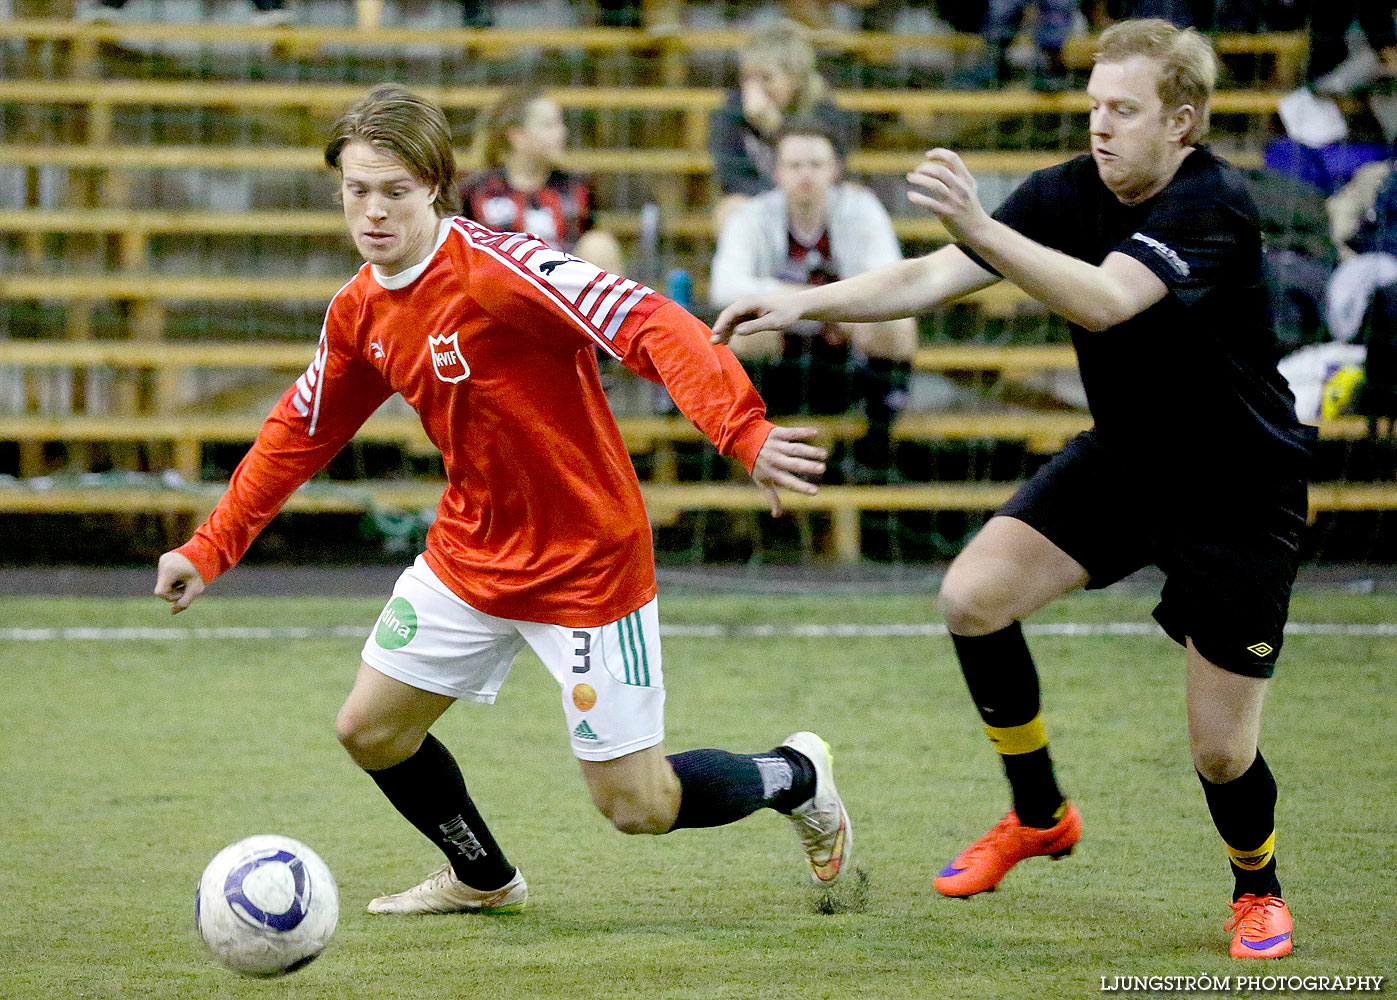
(1229, 560)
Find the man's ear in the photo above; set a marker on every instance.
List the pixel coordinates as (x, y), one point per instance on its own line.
(1181, 122)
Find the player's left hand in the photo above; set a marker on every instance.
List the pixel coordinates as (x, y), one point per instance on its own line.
(943, 184)
(785, 463)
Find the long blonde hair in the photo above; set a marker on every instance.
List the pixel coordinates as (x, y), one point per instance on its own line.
(786, 46)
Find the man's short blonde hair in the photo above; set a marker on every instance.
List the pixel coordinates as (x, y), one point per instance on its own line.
(1188, 66)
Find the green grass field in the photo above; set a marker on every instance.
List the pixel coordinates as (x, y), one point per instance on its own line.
(128, 764)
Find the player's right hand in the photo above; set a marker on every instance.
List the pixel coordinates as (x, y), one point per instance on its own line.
(755, 314)
(787, 462)
(177, 581)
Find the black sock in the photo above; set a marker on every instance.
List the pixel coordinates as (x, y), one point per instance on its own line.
(1244, 811)
(718, 787)
(429, 791)
(999, 671)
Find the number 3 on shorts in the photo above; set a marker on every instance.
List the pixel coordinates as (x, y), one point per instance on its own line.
(583, 652)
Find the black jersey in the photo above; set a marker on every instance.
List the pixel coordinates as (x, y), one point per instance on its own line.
(1187, 391)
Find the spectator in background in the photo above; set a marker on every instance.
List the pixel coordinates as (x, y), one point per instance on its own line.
(521, 187)
(1055, 21)
(1362, 296)
(477, 14)
(1332, 68)
(814, 230)
(777, 81)
(1299, 255)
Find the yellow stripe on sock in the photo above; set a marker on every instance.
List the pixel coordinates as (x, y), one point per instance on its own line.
(1014, 740)
(1254, 860)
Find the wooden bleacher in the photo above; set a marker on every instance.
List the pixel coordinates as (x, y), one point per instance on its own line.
(1286, 51)
(93, 147)
(664, 503)
(1042, 431)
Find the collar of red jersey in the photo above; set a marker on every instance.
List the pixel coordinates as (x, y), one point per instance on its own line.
(402, 279)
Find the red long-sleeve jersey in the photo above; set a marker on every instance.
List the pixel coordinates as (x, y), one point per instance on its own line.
(492, 341)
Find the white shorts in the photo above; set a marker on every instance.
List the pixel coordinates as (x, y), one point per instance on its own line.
(612, 682)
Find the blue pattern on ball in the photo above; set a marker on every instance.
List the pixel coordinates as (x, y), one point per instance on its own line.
(254, 915)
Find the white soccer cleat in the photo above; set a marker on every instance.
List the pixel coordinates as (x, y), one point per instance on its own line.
(443, 892)
(822, 822)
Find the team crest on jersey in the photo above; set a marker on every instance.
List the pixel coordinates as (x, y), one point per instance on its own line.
(447, 361)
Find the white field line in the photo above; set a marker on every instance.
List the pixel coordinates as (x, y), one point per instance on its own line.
(769, 631)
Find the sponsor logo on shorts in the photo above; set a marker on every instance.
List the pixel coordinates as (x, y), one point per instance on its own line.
(584, 732)
(397, 625)
(584, 696)
(1262, 649)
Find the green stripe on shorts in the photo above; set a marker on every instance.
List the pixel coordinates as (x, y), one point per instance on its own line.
(644, 655)
(635, 654)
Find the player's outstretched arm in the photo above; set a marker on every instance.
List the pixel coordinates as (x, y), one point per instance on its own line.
(1095, 297)
(786, 462)
(177, 581)
(899, 290)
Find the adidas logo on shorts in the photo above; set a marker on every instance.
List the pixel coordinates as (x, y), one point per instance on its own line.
(584, 732)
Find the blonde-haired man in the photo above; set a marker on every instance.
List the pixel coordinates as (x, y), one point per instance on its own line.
(1151, 248)
(541, 536)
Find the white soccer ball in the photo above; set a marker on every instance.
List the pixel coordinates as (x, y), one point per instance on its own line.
(266, 905)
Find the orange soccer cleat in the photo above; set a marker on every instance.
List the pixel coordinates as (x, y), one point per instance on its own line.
(980, 866)
(1263, 927)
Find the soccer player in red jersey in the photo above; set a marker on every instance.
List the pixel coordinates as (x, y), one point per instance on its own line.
(541, 535)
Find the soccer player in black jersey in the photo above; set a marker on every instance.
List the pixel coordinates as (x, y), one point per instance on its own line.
(1150, 247)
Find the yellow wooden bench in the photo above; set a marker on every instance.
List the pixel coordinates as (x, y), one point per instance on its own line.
(681, 162)
(1042, 431)
(334, 97)
(693, 104)
(151, 293)
(664, 503)
(1047, 428)
(133, 228)
(171, 361)
(1287, 49)
(288, 356)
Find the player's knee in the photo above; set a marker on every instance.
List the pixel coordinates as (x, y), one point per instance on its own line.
(371, 744)
(1219, 765)
(969, 609)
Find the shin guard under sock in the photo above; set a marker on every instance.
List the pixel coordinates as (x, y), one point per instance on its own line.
(429, 791)
(1003, 681)
(1244, 812)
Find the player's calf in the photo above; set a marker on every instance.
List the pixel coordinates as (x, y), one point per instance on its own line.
(638, 793)
(640, 814)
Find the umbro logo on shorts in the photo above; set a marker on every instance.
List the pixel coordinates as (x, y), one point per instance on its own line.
(584, 732)
(1261, 649)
